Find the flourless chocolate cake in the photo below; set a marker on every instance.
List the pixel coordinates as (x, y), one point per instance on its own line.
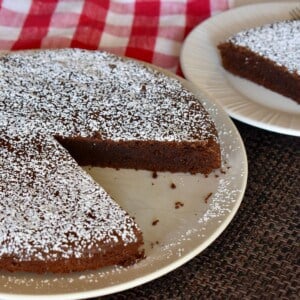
(268, 55)
(63, 108)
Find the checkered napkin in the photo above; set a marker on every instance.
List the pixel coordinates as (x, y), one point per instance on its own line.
(152, 30)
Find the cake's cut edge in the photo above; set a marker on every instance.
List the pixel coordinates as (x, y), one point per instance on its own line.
(193, 157)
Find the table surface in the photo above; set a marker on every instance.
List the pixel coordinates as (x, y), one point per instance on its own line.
(256, 256)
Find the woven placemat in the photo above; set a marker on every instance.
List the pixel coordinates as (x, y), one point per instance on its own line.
(257, 256)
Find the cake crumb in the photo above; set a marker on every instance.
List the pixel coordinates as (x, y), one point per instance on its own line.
(223, 171)
(178, 204)
(152, 244)
(155, 222)
(143, 88)
(173, 185)
(154, 174)
(216, 175)
(207, 197)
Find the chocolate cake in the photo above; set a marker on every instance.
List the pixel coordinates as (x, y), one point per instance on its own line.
(268, 55)
(63, 108)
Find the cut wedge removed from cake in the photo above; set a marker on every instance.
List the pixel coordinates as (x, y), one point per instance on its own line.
(268, 55)
(63, 108)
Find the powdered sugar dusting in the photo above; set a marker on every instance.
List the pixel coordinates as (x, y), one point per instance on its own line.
(71, 91)
(279, 42)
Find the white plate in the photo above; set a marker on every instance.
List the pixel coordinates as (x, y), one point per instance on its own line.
(179, 235)
(242, 99)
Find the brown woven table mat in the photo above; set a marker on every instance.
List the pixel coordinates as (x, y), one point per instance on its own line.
(257, 256)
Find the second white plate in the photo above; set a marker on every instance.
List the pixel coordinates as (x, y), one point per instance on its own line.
(242, 99)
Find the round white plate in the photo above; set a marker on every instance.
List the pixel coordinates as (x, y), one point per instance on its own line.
(177, 223)
(242, 99)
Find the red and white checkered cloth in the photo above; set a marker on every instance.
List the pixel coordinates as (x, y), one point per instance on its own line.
(151, 31)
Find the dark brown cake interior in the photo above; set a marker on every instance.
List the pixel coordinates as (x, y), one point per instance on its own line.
(193, 157)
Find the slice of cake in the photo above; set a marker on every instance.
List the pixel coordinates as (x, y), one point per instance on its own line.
(61, 108)
(268, 55)
(53, 216)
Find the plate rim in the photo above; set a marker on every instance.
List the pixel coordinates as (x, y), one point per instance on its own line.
(185, 258)
(201, 29)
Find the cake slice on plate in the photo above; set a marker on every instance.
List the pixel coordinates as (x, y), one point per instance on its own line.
(63, 108)
(268, 55)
